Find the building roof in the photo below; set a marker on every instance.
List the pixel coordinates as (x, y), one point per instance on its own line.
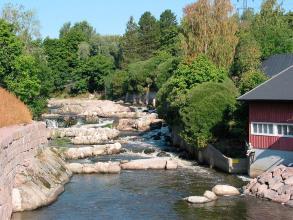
(277, 63)
(277, 88)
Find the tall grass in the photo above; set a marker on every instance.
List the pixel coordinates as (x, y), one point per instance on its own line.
(12, 110)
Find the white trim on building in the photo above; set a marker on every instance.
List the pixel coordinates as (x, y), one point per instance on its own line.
(271, 129)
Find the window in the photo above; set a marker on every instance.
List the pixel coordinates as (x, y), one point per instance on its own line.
(272, 129)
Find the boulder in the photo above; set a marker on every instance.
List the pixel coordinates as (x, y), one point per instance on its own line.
(197, 199)
(225, 190)
(289, 181)
(153, 164)
(99, 167)
(210, 195)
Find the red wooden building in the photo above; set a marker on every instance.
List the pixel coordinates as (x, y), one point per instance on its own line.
(271, 115)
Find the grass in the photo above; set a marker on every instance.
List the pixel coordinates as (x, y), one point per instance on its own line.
(12, 110)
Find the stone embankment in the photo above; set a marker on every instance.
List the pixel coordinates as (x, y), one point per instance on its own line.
(86, 135)
(26, 167)
(275, 185)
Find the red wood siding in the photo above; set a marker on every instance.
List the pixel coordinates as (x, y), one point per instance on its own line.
(271, 112)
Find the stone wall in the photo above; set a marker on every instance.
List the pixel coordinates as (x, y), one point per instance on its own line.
(18, 146)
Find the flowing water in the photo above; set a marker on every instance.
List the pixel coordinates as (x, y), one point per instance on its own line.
(152, 194)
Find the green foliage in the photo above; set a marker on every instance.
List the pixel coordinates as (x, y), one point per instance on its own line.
(89, 75)
(171, 97)
(169, 40)
(11, 47)
(149, 35)
(207, 112)
(116, 84)
(250, 80)
(272, 29)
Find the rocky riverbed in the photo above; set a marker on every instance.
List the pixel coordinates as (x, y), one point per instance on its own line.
(130, 174)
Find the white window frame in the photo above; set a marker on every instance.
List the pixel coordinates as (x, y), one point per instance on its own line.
(275, 129)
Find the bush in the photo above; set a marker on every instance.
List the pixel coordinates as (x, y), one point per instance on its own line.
(207, 112)
(12, 110)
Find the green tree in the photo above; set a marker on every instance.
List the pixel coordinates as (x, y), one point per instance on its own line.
(272, 30)
(149, 35)
(116, 84)
(208, 109)
(129, 42)
(172, 95)
(250, 80)
(169, 32)
(11, 48)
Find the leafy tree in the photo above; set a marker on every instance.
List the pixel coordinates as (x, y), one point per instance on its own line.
(26, 25)
(207, 112)
(11, 48)
(90, 75)
(250, 80)
(149, 35)
(248, 54)
(169, 32)
(209, 28)
(272, 30)
(172, 95)
(64, 29)
(116, 84)
(83, 50)
(130, 42)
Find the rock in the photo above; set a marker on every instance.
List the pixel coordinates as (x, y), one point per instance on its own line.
(157, 137)
(265, 177)
(197, 199)
(83, 152)
(163, 154)
(145, 164)
(41, 183)
(210, 195)
(270, 194)
(171, 165)
(261, 190)
(289, 181)
(149, 150)
(225, 190)
(99, 167)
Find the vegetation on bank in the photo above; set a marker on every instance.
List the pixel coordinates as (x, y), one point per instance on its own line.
(198, 66)
(12, 110)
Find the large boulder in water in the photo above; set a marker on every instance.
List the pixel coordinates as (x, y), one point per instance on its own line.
(153, 164)
(210, 195)
(225, 190)
(99, 167)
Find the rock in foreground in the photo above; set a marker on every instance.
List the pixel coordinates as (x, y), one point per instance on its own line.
(225, 190)
(41, 182)
(275, 185)
(197, 199)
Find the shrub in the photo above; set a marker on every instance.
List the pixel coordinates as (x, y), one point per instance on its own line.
(250, 80)
(12, 110)
(207, 112)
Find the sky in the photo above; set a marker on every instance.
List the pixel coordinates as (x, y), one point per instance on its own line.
(106, 16)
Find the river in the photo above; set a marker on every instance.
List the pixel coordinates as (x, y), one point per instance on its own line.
(152, 194)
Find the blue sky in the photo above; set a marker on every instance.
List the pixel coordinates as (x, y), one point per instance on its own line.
(107, 16)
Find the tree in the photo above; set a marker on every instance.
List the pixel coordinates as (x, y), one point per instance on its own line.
(272, 30)
(130, 42)
(116, 84)
(64, 29)
(90, 75)
(207, 112)
(83, 50)
(172, 95)
(250, 80)
(149, 35)
(247, 56)
(209, 28)
(169, 32)
(11, 48)
(26, 25)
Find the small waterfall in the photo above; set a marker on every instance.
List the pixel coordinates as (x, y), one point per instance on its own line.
(51, 123)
